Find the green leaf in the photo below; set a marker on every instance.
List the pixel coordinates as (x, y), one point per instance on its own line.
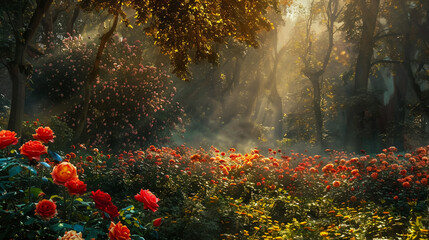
(56, 196)
(7, 195)
(55, 156)
(14, 171)
(29, 221)
(137, 237)
(5, 159)
(35, 191)
(45, 164)
(131, 207)
(28, 208)
(32, 170)
(78, 228)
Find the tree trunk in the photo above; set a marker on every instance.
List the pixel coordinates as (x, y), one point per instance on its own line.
(317, 109)
(16, 116)
(276, 100)
(48, 29)
(17, 68)
(230, 108)
(314, 74)
(355, 120)
(366, 45)
(92, 79)
(72, 20)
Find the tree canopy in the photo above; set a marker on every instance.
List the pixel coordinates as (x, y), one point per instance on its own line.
(187, 30)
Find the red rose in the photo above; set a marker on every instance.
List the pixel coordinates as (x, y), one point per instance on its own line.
(76, 187)
(33, 150)
(118, 232)
(148, 199)
(406, 184)
(157, 222)
(101, 199)
(7, 138)
(46, 209)
(45, 135)
(112, 210)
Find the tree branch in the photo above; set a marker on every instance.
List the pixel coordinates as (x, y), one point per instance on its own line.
(386, 61)
(42, 7)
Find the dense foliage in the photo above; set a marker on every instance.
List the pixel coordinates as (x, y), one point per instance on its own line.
(199, 194)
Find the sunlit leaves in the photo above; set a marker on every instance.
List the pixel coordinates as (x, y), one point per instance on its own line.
(187, 31)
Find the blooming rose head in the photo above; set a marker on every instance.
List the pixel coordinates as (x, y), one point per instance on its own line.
(148, 199)
(7, 138)
(75, 187)
(336, 183)
(112, 210)
(33, 150)
(46, 209)
(63, 173)
(45, 135)
(101, 199)
(118, 232)
(157, 222)
(71, 235)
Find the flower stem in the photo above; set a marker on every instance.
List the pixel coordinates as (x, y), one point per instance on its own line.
(71, 208)
(65, 203)
(29, 186)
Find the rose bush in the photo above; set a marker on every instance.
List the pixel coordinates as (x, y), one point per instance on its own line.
(215, 194)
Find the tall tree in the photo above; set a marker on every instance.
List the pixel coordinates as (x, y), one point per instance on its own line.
(360, 20)
(24, 19)
(313, 67)
(188, 31)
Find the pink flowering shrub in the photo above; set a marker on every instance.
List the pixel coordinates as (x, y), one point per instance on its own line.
(131, 102)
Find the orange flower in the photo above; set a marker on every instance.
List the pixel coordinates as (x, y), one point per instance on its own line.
(7, 138)
(46, 209)
(63, 173)
(118, 231)
(33, 150)
(71, 235)
(45, 135)
(336, 183)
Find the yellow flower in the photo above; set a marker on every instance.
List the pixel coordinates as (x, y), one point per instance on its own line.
(324, 234)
